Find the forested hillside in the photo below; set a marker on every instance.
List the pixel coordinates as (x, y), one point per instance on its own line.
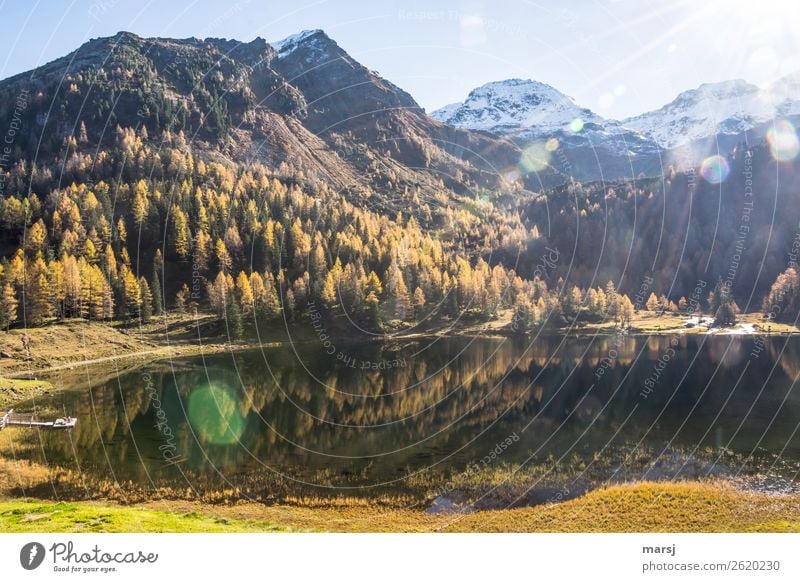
(246, 241)
(154, 174)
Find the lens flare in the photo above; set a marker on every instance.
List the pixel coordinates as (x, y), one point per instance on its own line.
(535, 158)
(783, 142)
(551, 145)
(511, 174)
(576, 125)
(715, 169)
(214, 415)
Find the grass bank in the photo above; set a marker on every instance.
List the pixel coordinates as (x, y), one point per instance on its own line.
(44, 517)
(638, 507)
(13, 390)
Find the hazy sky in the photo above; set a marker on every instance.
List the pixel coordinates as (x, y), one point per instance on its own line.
(618, 57)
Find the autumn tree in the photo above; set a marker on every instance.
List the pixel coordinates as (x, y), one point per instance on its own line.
(218, 294)
(626, 310)
(612, 302)
(223, 256)
(783, 299)
(180, 234)
(56, 284)
(132, 294)
(419, 303)
(36, 238)
(244, 293)
(8, 306)
(73, 286)
(37, 293)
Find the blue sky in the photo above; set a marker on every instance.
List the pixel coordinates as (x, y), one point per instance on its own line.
(618, 57)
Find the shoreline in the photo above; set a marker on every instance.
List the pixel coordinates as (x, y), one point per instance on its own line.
(175, 336)
(686, 506)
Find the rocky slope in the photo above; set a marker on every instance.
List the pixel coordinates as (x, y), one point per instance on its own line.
(303, 102)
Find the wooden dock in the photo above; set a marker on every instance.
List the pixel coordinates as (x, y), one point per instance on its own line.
(11, 418)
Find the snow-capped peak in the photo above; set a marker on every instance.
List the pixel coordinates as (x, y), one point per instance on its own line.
(726, 108)
(515, 105)
(291, 43)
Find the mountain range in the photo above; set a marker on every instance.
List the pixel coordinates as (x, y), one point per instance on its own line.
(710, 119)
(306, 102)
(303, 102)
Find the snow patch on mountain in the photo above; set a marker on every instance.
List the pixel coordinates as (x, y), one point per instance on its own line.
(730, 107)
(313, 39)
(515, 105)
(726, 108)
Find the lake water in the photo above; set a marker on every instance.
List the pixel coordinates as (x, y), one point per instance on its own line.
(392, 414)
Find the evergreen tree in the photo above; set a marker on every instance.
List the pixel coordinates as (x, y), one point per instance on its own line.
(613, 310)
(722, 305)
(181, 297)
(146, 307)
(522, 321)
(234, 318)
(158, 296)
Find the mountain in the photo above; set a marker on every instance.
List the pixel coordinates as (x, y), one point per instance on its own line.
(724, 110)
(714, 118)
(138, 167)
(589, 147)
(516, 107)
(302, 102)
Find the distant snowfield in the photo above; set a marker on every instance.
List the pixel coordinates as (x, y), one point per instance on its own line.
(527, 108)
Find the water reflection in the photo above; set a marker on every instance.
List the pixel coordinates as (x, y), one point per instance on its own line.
(299, 411)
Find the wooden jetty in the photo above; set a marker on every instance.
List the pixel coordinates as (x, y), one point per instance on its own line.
(11, 418)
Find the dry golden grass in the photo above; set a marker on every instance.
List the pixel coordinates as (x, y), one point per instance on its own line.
(650, 507)
(20, 475)
(70, 341)
(13, 390)
(639, 507)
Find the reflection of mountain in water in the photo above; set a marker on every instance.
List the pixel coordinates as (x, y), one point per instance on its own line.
(451, 396)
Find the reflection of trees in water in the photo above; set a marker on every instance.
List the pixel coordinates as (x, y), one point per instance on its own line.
(431, 393)
(790, 359)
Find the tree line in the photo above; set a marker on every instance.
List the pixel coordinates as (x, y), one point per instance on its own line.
(149, 225)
